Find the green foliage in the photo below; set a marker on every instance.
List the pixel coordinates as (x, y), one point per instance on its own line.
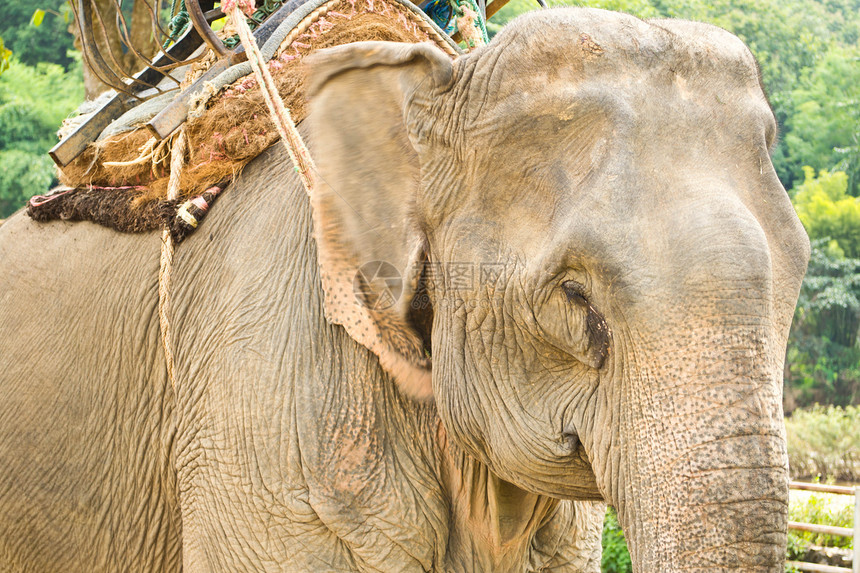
(824, 441)
(616, 558)
(821, 371)
(829, 301)
(4, 57)
(826, 209)
(37, 18)
(33, 103)
(22, 174)
(50, 91)
(818, 508)
(795, 550)
(823, 359)
(50, 42)
(508, 12)
(825, 127)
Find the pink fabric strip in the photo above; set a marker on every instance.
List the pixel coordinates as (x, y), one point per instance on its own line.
(40, 200)
(200, 202)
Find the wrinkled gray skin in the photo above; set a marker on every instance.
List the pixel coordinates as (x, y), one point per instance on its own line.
(630, 348)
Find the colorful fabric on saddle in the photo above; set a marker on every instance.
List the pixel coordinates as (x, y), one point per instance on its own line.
(121, 180)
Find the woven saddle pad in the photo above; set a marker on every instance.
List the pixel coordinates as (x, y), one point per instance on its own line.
(120, 181)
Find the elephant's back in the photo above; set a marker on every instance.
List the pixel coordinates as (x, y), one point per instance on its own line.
(80, 440)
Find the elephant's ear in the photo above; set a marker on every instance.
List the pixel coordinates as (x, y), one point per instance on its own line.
(370, 243)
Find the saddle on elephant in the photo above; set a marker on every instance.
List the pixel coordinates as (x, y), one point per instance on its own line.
(120, 179)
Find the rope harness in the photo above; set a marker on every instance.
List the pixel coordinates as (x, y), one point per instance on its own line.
(474, 34)
(177, 160)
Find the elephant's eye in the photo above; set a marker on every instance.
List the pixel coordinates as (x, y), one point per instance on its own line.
(594, 345)
(575, 292)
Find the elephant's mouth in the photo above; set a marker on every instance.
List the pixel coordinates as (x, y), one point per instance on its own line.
(573, 449)
(571, 437)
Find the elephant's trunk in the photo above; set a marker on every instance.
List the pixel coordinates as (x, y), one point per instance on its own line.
(717, 519)
(709, 489)
(709, 484)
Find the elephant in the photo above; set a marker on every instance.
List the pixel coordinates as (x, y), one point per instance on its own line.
(557, 271)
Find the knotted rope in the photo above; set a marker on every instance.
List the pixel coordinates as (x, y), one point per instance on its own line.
(470, 24)
(178, 23)
(463, 16)
(177, 161)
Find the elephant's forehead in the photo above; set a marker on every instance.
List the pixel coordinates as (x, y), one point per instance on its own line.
(600, 108)
(573, 44)
(609, 72)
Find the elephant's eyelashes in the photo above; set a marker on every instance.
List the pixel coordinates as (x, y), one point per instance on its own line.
(596, 330)
(575, 292)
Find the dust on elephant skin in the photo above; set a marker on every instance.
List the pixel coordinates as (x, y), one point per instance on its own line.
(614, 176)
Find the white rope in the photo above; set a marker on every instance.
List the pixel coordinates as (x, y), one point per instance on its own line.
(177, 161)
(290, 137)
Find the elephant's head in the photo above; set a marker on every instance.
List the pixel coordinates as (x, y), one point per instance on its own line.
(599, 264)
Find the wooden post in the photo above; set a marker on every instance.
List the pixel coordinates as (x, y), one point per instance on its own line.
(855, 563)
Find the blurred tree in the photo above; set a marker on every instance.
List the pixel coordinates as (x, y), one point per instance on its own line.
(823, 358)
(508, 12)
(829, 303)
(4, 57)
(826, 210)
(825, 128)
(22, 175)
(49, 42)
(113, 43)
(33, 103)
(52, 38)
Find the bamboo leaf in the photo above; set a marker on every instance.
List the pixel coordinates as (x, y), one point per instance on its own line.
(37, 18)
